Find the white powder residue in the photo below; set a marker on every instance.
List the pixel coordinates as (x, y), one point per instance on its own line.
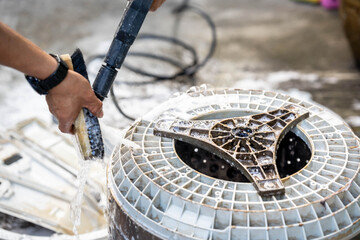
(356, 104)
(353, 121)
(296, 93)
(20, 102)
(285, 76)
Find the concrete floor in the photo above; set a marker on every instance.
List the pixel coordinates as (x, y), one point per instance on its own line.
(258, 43)
(266, 44)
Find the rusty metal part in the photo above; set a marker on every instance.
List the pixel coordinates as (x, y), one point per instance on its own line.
(292, 155)
(121, 225)
(248, 143)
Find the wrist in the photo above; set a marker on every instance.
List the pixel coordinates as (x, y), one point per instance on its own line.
(47, 69)
(63, 85)
(55, 78)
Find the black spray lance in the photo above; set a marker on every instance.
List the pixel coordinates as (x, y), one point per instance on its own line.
(87, 128)
(125, 35)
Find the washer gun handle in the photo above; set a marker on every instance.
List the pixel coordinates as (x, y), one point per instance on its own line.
(87, 128)
(125, 35)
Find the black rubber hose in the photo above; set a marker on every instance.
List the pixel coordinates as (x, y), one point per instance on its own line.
(188, 70)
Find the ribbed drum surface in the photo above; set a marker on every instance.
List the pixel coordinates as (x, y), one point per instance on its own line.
(164, 198)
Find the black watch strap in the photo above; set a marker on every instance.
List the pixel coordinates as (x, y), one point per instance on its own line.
(44, 86)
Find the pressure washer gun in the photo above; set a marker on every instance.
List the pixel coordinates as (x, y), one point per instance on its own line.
(87, 128)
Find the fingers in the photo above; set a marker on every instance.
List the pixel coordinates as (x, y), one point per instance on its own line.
(66, 126)
(100, 114)
(95, 107)
(156, 4)
(66, 100)
(67, 113)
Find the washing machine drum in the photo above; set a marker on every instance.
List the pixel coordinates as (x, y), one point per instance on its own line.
(235, 164)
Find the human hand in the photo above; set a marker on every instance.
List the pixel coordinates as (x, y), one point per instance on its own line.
(156, 4)
(67, 99)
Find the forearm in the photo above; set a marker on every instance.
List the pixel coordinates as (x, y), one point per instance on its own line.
(20, 53)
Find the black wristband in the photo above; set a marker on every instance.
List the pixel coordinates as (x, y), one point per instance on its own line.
(44, 86)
